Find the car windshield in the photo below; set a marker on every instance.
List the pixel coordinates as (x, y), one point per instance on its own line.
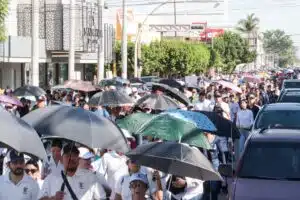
(275, 160)
(278, 118)
(292, 84)
(291, 98)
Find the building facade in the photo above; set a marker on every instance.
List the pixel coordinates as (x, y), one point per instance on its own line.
(54, 30)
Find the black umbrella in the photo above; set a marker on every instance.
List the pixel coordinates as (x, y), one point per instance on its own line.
(175, 158)
(17, 134)
(78, 125)
(111, 98)
(171, 92)
(29, 90)
(172, 83)
(156, 102)
(225, 127)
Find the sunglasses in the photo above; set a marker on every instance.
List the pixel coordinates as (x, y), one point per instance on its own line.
(32, 171)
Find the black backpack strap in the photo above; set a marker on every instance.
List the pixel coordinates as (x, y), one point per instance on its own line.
(67, 184)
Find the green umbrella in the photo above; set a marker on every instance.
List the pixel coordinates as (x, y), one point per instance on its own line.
(171, 128)
(134, 122)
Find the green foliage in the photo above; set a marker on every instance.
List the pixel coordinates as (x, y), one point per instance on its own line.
(278, 43)
(172, 57)
(130, 57)
(3, 13)
(248, 25)
(233, 50)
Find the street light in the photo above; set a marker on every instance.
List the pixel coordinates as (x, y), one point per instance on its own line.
(138, 35)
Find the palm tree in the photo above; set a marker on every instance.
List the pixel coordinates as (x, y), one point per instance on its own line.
(249, 25)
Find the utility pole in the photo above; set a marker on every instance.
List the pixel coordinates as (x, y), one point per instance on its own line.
(100, 68)
(71, 64)
(35, 42)
(124, 41)
(175, 16)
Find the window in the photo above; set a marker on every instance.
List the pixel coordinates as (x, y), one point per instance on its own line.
(273, 160)
(278, 118)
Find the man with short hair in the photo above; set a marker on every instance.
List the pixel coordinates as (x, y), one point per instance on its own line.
(83, 186)
(16, 185)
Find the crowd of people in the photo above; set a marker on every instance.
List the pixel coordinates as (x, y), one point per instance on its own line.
(107, 174)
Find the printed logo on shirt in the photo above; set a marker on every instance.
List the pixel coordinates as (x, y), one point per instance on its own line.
(81, 185)
(25, 190)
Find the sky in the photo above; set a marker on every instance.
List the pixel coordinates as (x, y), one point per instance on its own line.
(273, 14)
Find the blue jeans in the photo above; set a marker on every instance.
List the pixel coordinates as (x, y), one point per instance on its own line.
(243, 138)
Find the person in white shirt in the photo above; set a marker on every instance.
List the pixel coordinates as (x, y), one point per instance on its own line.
(84, 185)
(16, 185)
(85, 167)
(112, 166)
(203, 104)
(32, 169)
(244, 120)
(53, 165)
(123, 186)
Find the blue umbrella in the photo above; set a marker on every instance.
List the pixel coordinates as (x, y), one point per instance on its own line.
(200, 120)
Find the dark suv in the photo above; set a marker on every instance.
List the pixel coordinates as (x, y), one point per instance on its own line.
(269, 167)
(290, 95)
(278, 115)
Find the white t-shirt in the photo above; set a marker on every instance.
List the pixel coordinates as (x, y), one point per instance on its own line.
(112, 166)
(51, 167)
(84, 185)
(205, 105)
(26, 189)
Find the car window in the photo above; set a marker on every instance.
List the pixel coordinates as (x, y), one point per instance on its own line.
(275, 160)
(278, 118)
(292, 84)
(292, 97)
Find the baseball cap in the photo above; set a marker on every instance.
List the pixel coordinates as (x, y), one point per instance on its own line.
(139, 177)
(85, 154)
(15, 156)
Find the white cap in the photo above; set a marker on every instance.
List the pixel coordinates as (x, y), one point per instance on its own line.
(139, 177)
(84, 153)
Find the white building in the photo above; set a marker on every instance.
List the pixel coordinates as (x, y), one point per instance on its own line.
(15, 52)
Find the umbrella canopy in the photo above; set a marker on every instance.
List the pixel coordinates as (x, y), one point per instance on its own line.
(225, 127)
(85, 86)
(176, 159)
(134, 122)
(78, 125)
(252, 79)
(94, 100)
(171, 92)
(173, 128)
(230, 86)
(199, 120)
(172, 83)
(10, 100)
(17, 134)
(157, 102)
(111, 98)
(29, 90)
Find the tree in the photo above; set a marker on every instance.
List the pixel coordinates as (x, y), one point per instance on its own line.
(278, 43)
(172, 57)
(249, 25)
(3, 14)
(130, 57)
(233, 50)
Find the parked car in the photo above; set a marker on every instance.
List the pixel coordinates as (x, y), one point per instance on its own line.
(291, 95)
(290, 83)
(282, 115)
(269, 167)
